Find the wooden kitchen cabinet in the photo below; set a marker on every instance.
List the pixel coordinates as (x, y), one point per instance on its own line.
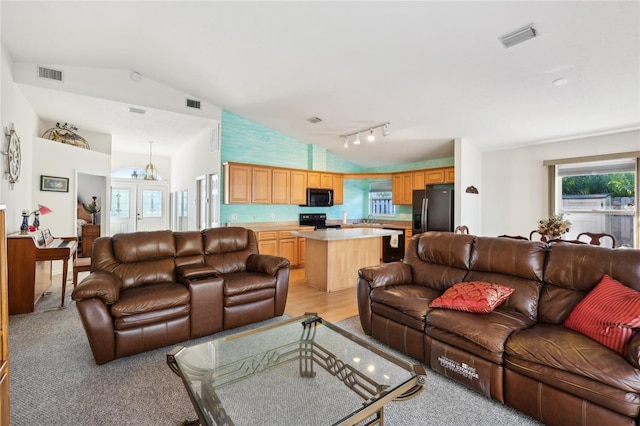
(338, 189)
(298, 187)
(288, 247)
(326, 180)
(402, 188)
(238, 185)
(434, 176)
(313, 179)
(281, 186)
(449, 175)
(261, 185)
(418, 180)
(268, 242)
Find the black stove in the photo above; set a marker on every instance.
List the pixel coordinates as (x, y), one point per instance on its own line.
(317, 220)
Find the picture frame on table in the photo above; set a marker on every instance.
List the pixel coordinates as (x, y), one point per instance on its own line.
(54, 184)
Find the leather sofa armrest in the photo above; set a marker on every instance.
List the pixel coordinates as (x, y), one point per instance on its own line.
(196, 272)
(386, 274)
(633, 351)
(266, 263)
(102, 285)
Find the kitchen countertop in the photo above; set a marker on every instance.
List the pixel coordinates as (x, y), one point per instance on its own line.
(345, 234)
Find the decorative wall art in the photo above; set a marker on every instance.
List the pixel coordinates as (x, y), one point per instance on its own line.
(66, 133)
(54, 184)
(14, 155)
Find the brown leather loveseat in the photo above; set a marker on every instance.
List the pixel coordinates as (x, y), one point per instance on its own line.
(520, 353)
(152, 289)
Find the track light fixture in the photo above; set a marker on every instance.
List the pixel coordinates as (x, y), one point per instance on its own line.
(371, 137)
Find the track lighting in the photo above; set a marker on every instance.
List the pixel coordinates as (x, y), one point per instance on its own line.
(371, 137)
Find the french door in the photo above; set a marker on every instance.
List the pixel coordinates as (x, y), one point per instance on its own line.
(139, 206)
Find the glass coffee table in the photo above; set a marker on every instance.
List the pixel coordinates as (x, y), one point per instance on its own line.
(298, 371)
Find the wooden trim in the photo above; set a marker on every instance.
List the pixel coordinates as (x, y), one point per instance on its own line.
(603, 157)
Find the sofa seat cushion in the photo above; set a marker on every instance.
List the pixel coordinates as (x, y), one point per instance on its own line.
(567, 350)
(150, 298)
(145, 319)
(490, 330)
(236, 283)
(410, 299)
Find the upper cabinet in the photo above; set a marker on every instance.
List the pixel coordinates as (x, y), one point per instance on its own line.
(404, 183)
(298, 187)
(250, 183)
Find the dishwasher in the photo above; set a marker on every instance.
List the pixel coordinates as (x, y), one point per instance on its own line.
(393, 251)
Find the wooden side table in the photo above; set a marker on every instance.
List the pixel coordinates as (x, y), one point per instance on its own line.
(89, 235)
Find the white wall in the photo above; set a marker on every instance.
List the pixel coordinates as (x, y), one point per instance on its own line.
(468, 173)
(15, 109)
(52, 158)
(191, 161)
(514, 181)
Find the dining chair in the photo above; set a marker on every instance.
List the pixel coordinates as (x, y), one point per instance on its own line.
(594, 238)
(461, 229)
(515, 237)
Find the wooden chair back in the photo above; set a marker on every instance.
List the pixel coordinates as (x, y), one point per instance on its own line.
(461, 229)
(594, 238)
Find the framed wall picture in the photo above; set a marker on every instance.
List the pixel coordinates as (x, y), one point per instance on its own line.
(54, 184)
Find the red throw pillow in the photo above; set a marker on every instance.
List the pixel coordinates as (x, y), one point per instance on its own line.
(473, 296)
(609, 314)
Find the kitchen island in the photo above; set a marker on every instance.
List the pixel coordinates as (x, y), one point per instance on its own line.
(334, 256)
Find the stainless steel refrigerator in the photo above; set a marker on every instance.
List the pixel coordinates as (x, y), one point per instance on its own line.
(432, 210)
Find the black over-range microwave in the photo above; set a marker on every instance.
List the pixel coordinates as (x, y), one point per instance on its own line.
(319, 197)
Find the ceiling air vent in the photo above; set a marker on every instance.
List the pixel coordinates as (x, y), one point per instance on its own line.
(518, 36)
(192, 103)
(49, 73)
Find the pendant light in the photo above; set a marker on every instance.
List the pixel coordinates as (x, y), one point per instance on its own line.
(150, 172)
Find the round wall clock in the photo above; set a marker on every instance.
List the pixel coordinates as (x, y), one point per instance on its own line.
(14, 157)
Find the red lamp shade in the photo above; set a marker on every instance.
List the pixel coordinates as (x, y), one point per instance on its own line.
(44, 209)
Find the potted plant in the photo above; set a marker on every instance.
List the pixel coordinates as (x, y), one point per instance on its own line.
(93, 208)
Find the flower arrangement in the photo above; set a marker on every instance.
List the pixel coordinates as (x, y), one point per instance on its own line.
(554, 226)
(93, 206)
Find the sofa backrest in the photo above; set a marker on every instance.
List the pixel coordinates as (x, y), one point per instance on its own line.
(189, 248)
(227, 249)
(572, 270)
(138, 258)
(439, 259)
(514, 263)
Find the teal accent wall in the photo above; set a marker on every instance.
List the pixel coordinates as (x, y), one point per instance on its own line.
(244, 141)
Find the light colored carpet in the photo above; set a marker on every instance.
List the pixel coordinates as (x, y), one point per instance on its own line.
(55, 381)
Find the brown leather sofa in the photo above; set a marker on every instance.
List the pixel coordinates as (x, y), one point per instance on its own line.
(152, 289)
(519, 354)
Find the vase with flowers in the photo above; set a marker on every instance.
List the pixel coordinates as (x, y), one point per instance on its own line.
(93, 208)
(554, 226)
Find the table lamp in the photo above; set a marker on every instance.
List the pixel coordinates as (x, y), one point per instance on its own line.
(36, 215)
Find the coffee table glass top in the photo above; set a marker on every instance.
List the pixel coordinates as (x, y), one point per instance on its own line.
(297, 371)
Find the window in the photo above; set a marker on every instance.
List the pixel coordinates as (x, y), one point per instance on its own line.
(380, 198)
(599, 196)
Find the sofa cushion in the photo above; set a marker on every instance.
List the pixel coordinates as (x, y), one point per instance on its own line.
(149, 298)
(243, 282)
(412, 300)
(556, 347)
(609, 314)
(489, 331)
(474, 296)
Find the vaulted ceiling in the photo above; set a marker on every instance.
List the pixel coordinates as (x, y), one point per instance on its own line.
(435, 70)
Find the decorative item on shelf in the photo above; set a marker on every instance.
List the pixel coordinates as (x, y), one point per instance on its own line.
(554, 226)
(36, 216)
(66, 133)
(471, 190)
(370, 137)
(150, 172)
(24, 228)
(93, 208)
(134, 175)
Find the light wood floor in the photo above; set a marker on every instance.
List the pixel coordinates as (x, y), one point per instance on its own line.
(333, 307)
